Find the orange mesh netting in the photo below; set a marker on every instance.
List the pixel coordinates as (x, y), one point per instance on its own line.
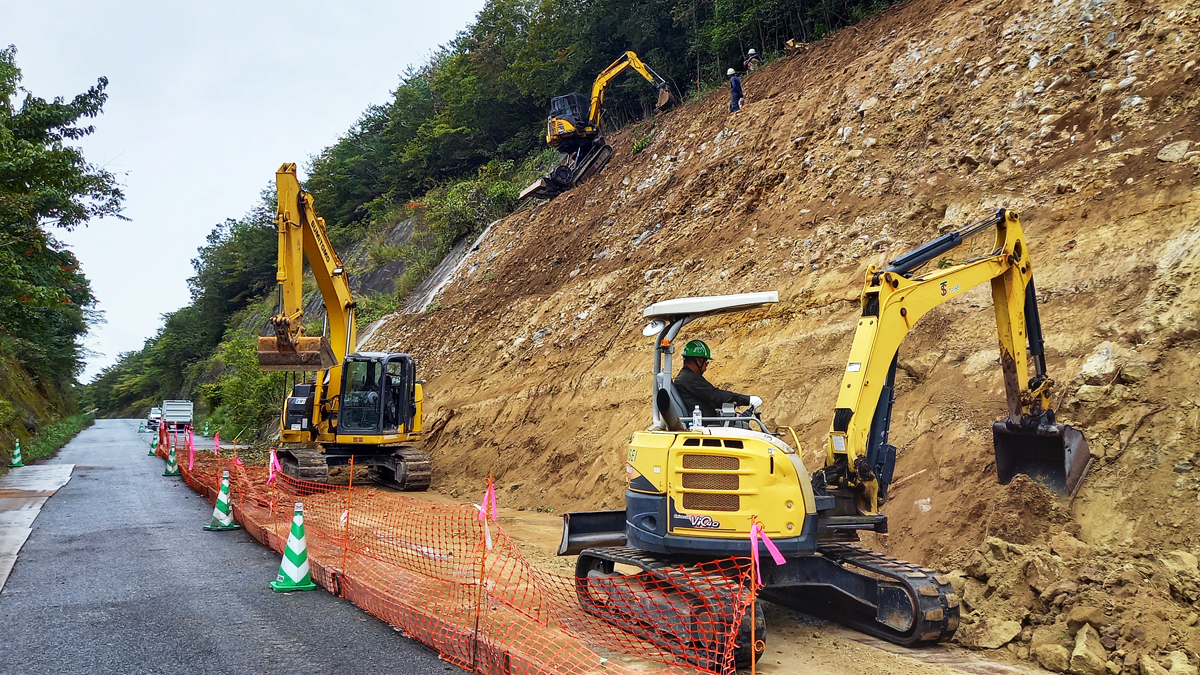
(427, 569)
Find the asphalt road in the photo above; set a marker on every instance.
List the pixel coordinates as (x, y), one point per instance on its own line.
(118, 576)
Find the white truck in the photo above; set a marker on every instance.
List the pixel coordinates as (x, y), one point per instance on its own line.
(176, 413)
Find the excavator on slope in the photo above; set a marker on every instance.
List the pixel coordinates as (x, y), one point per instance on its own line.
(575, 127)
(694, 491)
(365, 405)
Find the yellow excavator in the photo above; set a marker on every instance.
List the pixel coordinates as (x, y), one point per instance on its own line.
(575, 127)
(365, 405)
(695, 489)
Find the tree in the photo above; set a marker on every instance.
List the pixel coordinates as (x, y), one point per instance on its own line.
(46, 302)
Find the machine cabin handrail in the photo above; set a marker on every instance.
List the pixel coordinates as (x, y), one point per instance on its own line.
(302, 234)
(628, 60)
(894, 299)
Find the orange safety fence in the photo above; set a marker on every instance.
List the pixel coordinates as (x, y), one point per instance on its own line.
(427, 569)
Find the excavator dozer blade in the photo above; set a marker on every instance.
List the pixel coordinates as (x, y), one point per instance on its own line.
(1054, 455)
(311, 353)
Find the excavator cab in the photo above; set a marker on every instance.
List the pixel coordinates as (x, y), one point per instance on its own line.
(378, 394)
(568, 120)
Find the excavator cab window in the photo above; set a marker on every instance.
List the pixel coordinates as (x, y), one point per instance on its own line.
(573, 107)
(361, 396)
(378, 394)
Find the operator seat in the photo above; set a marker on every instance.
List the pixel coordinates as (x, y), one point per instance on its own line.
(663, 381)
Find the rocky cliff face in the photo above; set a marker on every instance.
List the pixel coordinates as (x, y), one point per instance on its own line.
(1081, 116)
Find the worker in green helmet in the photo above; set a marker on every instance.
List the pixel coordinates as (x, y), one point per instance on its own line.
(694, 390)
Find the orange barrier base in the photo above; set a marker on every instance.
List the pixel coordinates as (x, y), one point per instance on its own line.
(426, 569)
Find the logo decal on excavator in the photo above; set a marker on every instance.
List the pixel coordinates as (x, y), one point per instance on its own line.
(946, 291)
(700, 522)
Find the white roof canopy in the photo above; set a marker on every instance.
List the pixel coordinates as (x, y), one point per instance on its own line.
(710, 304)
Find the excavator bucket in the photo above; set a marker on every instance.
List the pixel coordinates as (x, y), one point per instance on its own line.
(665, 100)
(310, 353)
(1054, 455)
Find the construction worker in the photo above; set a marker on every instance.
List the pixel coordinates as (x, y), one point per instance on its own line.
(694, 390)
(735, 90)
(753, 61)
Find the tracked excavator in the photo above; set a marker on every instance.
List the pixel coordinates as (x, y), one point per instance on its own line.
(343, 405)
(575, 127)
(694, 489)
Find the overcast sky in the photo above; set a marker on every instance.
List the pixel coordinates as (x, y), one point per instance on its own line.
(205, 101)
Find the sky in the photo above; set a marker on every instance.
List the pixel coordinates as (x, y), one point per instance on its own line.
(205, 101)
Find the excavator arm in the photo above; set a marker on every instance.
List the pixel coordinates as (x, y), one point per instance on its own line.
(628, 60)
(858, 454)
(302, 234)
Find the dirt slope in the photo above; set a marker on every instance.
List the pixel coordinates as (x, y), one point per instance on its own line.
(867, 144)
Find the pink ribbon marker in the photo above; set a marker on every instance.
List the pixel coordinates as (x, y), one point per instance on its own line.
(273, 466)
(489, 499)
(756, 531)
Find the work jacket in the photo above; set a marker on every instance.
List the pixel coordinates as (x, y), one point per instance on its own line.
(694, 390)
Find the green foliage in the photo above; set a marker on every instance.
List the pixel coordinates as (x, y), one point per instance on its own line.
(46, 302)
(642, 143)
(244, 397)
(53, 436)
(374, 307)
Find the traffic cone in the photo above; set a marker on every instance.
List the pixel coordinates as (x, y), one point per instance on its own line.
(141, 427)
(154, 445)
(205, 434)
(293, 569)
(16, 458)
(172, 464)
(223, 511)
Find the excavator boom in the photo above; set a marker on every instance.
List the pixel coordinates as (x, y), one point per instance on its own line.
(858, 455)
(302, 233)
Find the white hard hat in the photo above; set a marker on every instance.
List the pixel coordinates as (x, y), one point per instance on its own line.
(729, 72)
(752, 52)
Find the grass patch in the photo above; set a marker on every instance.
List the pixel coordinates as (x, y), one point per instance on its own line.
(52, 437)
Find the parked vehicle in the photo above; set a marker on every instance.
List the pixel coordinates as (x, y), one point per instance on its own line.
(153, 419)
(177, 413)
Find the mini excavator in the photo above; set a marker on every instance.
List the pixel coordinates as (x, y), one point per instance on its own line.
(575, 127)
(695, 490)
(364, 405)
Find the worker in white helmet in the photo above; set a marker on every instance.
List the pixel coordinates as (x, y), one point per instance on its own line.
(735, 90)
(753, 60)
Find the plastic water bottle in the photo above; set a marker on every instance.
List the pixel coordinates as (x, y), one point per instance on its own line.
(697, 420)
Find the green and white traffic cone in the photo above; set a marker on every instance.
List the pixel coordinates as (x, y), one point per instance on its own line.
(206, 429)
(154, 445)
(293, 569)
(172, 464)
(16, 458)
(141, 427)
(223, 511)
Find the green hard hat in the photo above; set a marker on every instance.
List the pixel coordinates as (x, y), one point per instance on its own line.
(698, 349)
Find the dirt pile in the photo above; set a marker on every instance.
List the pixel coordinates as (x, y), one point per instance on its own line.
(1079, 114)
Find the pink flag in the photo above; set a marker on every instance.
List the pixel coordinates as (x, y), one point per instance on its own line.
(489, 500)
(756, 531)
(273, 466)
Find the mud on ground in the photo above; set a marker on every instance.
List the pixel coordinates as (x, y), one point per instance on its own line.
(1079, 114)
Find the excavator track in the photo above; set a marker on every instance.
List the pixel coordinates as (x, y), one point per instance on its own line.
(913, 606)
(399, 467)
(407, 469)
(304, 464)
(680, 609)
